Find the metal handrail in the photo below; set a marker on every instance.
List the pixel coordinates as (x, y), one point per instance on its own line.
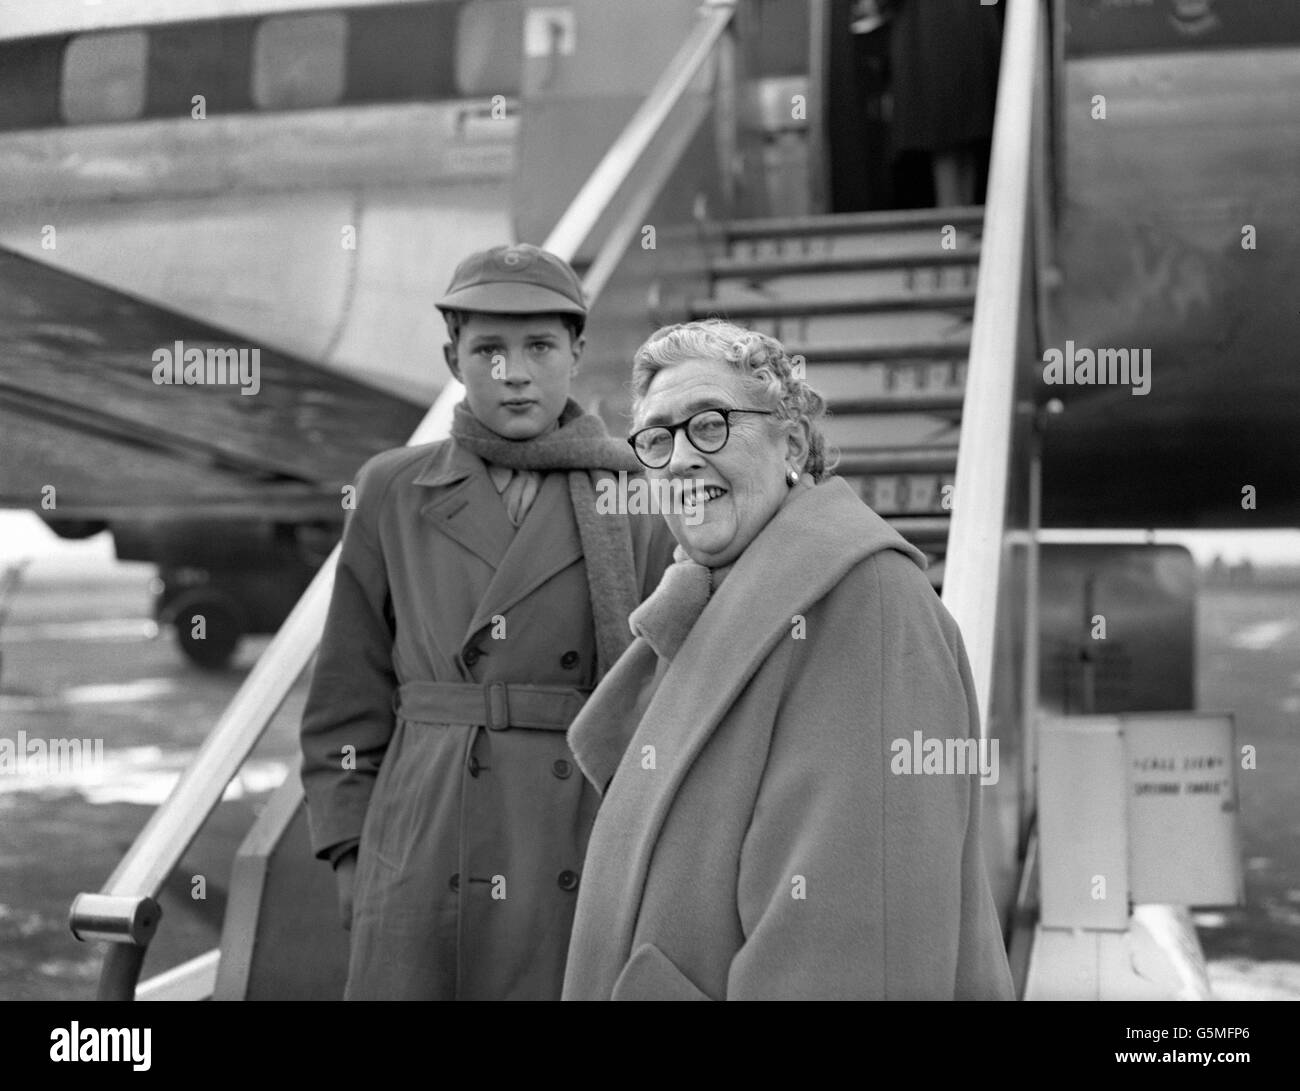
(975, 540)
(125, 911)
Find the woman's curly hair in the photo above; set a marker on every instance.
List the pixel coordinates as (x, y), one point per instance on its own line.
(767, 370)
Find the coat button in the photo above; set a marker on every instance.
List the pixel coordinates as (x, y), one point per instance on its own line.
(473, 766)
(569, 660)
(568, 880)
(471, 656)
(455, 881)
(561, 768)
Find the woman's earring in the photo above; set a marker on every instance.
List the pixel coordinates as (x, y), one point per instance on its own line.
(792, 477)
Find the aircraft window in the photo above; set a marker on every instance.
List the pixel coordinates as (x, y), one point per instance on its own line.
(300, 61)
(104, 77)
(489, 47)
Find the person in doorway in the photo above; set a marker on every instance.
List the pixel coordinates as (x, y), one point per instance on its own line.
(944, 63)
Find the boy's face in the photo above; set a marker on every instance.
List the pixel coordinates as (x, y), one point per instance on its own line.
(516, 370)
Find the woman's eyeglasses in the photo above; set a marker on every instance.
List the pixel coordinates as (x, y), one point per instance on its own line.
(707, 430)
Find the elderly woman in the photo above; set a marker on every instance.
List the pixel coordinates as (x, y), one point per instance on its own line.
(753, 840)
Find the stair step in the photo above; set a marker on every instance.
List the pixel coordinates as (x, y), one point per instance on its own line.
(892, 495)
(853, 223)
(898, 460)
(792, 308)
(765, 267)
(937, 401)
(877, 353)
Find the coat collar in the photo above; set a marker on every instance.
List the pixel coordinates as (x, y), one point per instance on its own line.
(464, 504)
(448, 462)
(806, 549)
(799, 556)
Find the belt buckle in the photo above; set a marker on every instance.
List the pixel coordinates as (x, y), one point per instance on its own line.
(496, 702)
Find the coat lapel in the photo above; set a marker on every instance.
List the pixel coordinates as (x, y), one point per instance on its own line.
(782, 572)
(546, 543)
(464, 504)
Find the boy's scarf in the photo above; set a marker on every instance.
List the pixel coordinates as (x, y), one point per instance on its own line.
(581, 446)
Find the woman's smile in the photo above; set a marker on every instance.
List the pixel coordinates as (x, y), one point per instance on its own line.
(702, 496)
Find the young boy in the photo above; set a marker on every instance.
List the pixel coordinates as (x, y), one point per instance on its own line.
(479, 597)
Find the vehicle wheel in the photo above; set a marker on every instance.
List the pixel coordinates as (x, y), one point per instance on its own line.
(222, 627)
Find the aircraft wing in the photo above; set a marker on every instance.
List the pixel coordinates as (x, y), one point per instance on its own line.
(80, 411)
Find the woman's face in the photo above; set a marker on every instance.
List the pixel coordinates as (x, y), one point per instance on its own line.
(750, 468)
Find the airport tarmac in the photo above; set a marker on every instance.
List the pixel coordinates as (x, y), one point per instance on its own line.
(82, 660)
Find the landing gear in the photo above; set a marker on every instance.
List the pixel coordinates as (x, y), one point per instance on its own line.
(214, 608)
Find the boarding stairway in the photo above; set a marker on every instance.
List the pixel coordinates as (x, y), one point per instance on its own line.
(879, 307)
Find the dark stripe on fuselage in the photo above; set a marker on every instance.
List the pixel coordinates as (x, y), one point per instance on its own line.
(394, 53)
(1102, 27)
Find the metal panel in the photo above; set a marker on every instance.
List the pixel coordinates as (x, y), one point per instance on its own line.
(1155, 254)
(576, 104)
(1118, 628)
(1082, 825)
(282, 939)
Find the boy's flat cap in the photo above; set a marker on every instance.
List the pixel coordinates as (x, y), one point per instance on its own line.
(518, 279)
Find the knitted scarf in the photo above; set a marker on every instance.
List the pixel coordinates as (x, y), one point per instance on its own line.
(667, 616)
(581, 446)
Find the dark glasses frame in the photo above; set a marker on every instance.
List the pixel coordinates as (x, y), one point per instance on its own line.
(672, 430)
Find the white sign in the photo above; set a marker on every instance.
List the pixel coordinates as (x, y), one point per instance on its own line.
(1183, 839)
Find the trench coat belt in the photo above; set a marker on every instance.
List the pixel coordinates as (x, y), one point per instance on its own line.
(495, 705)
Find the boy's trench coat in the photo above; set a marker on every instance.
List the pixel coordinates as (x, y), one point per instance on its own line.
(760, 838)
(471, 840)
